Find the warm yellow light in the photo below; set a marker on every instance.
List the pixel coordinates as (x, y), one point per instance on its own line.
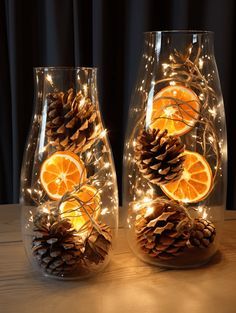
(169, 111)
(103, 133)
(85, 87)
(49, 78)
(146, 199)
(104, 211)
(149, 211)
(213, 112)
(165, 65)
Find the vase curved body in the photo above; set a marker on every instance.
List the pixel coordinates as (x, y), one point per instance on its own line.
(68, 182)
(176, 152)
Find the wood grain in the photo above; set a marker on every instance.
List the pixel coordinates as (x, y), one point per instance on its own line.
(126, 285)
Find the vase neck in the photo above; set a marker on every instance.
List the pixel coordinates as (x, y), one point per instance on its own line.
(61, 79)
(166, 42)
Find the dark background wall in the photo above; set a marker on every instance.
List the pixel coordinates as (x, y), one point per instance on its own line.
(102, 33)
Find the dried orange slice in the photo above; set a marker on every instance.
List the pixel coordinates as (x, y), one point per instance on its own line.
(89, 200)
(195, 182)
(61, 172)
(175, 108)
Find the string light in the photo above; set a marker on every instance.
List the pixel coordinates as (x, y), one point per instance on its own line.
(169, 111)
(213, 112)
(201, 62)
(103, 133)
(85, 88)
(149, 211)
(49, 79)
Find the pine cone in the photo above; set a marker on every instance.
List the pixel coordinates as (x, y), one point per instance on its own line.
(159, 156)
(55, 247)
(163, 234)
(98, 244)
(203, 233)
(72, 123)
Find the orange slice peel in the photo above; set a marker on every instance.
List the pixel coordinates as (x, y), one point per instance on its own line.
(195, 183)
(61, 172)
(175, 108)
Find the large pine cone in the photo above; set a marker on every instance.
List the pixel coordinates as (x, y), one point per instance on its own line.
(163, 234)
(203, 233)
(159, 156)
(55, 247)
(72, 123)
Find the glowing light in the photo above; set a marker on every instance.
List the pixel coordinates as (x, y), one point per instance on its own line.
(146, 199)
(165, 66)
(85, 87)
(104, 211)
(172, 83)
(151, 192)
(49, 79)
(211, 139)
(213, 112)
(201, 96)
(103, 133)
(82, 102)
(136, 207)
(106, 165)
(169, 111)
(186, 176)
(200, 209)
(58, 181)
(201, 63)
(149, 211)
(88, 154)
(204, 215)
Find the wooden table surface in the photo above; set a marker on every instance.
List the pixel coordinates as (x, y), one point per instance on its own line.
(126, 285)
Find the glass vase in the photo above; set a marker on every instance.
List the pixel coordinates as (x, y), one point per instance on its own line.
(68, 182)
(176, 152)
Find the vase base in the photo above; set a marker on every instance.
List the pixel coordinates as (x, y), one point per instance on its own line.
(191, 258)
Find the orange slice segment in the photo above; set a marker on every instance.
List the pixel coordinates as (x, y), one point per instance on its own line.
(61, 172)
(175, 108)
(195, 182)
(89, 200)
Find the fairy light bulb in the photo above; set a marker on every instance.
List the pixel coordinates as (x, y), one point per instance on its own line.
(49, 79)
(169, 111)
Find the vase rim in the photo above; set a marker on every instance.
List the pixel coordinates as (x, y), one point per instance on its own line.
(55, 68)
(181, 31)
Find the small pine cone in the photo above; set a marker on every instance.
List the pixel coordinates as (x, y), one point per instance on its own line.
(72, 122)
(203, 233)
(159, 156)
(54, 245)
(163, 234)
(98, 244)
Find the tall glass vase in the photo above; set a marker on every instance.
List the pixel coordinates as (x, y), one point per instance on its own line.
(68, 182)
(176, 151)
